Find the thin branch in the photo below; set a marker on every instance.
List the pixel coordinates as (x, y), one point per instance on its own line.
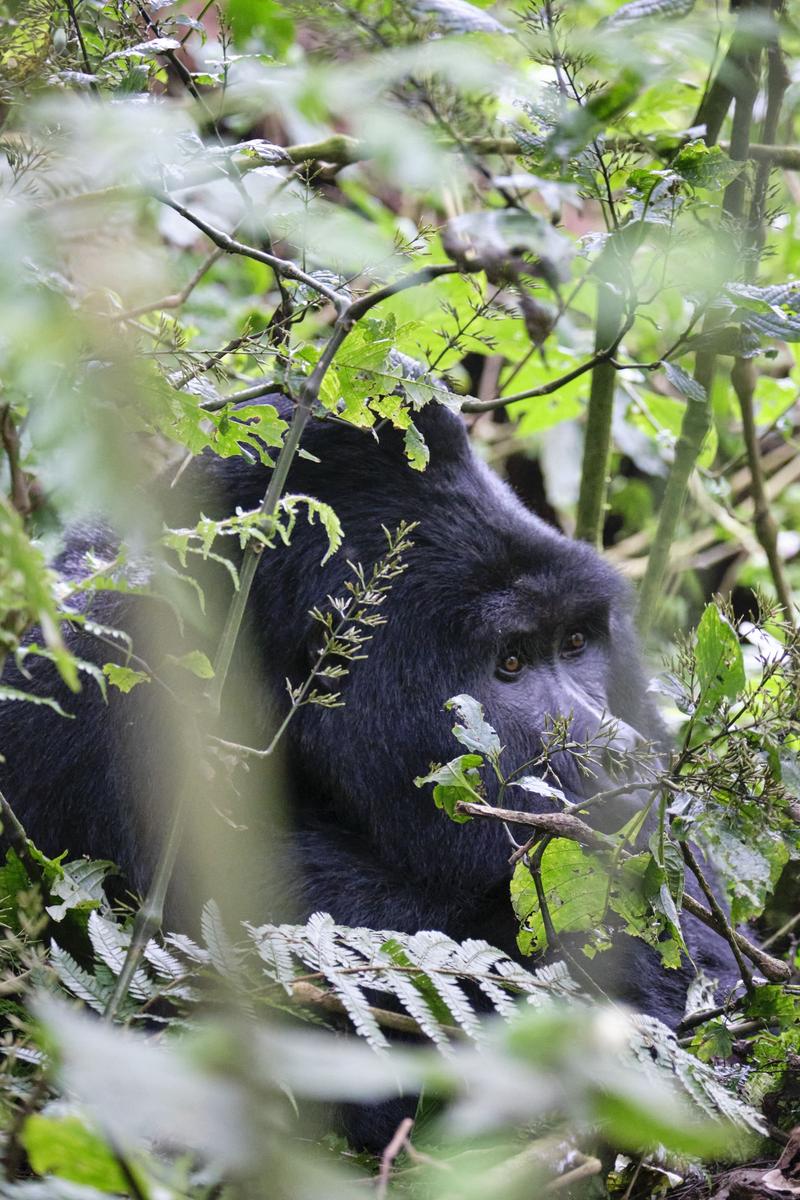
(175, 299)
(150, 915)
(20, 486)
(281, 266)
(349, 314)
(719, 914)
(307, 993)
(545, 389)
(76, 25)
(396, 1145)
(787, 927)
(15, 833)
(567, 826)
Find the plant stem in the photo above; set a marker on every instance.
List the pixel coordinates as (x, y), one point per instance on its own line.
(269, 507)
(597, 444)
(738, 76)
(694, 427)
(149, 917)
(743, 378)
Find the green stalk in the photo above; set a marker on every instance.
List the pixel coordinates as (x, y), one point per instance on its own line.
(597, 446)
(694, 427)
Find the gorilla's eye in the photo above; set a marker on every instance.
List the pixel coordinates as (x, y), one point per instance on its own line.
(574, 643)
(509, 665)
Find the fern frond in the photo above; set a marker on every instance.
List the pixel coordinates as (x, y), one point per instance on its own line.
(423, 974)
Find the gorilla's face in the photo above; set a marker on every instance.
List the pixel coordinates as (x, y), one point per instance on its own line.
(494, 604)
(554, 678)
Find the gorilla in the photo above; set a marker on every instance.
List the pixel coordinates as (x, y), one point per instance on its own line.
(493, 603)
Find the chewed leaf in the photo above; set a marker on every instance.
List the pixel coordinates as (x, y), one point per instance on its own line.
(539, 787)
(475, 733)
(124, 678)
(416, 449)
(720, 665)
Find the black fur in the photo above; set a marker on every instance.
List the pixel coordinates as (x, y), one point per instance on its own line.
(365, 844)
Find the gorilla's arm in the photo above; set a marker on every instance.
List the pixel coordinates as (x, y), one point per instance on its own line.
(327, 870)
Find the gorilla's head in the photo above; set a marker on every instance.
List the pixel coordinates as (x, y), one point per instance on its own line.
(494, 603)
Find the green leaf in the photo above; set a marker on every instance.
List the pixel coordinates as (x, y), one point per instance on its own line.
(265, 20)
(539, 787)
(416, 449)
(682, 382)
(458, 780)
(13, 880)
(575, 888)
(79, 887)
(256, 425)
(583, 122)
(637, 1127)
(749, 868)
(719, 661)
(124, 678)
(705, 166)
(315, 509)
(65, 1147)
(195, 661)
(713, 1040)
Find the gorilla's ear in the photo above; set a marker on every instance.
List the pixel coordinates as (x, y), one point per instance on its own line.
(443, 429)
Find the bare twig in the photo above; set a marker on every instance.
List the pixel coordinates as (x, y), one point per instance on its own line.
(175, 299)
(76, 25)
(787, 927)
(281, 266)
(398, 1143)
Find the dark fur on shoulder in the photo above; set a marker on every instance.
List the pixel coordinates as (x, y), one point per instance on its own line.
(485, 579)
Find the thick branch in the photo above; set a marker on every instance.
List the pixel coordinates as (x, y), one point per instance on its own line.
(556, 824)
(771, 968)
